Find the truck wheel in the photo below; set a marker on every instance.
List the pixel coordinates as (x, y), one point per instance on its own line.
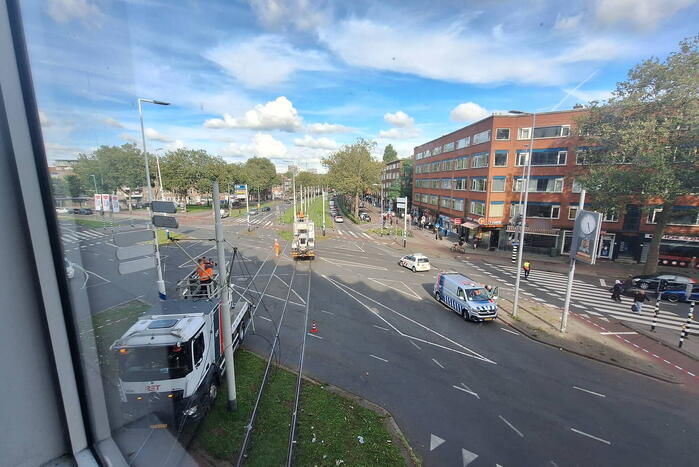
(437, 297)
(465, 315)
(413, 268)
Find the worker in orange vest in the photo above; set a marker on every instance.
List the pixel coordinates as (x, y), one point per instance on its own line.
(277, 248)
(205, 271)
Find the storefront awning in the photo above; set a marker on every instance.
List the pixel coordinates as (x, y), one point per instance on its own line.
(470, 224)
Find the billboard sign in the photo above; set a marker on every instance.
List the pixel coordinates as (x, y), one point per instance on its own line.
(106, 201)
(98, 202)
(115, 203)
(241, 191)
(586, 233)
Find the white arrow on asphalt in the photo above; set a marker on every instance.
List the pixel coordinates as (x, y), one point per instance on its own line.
(468, 456)
(435, 441)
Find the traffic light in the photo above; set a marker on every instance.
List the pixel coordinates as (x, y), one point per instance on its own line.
(662, 286)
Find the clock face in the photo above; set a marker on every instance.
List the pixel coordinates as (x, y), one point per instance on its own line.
(588, 224)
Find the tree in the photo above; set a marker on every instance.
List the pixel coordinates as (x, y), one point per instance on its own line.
(75, 186)
(59, 187)
(389, 154)
(394, 190)
(643, 142)
(406, 178)
(260, 174)
(306, 179)
(352, 170)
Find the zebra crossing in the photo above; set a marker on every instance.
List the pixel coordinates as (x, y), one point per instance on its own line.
(350, 234)
(74, 236)
(586, 298)
(258, 222)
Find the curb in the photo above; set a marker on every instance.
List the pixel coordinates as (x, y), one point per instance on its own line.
(389, 422)
(510, 322)
(650, 335)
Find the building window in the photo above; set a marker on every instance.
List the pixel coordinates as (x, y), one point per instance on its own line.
(497, 184)
(541, 210)
(482, 137)
(524, 133)
(478, 207)
(479, 160)
(437, 150)
(478, 183)
(572, 212)
(446, 184)
(497, 209)
(680, 215)
(458, 204)
(553, 156)
(445, 202)
(610, 216)
(502, 134)
(463, 143)
(449, 147)
(500, 159)
(462, 163)
(556, 131)
(540, 184)
(577, 186)
(461, 183)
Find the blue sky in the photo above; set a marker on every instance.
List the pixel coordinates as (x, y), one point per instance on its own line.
(296, 79)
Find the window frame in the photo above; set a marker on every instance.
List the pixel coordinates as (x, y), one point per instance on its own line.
(497, 130)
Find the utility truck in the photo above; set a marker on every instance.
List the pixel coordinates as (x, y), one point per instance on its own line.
(171, 361)
(303, 243)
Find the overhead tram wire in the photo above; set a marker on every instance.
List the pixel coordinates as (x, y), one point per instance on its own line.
(294, 414)
(249, 427)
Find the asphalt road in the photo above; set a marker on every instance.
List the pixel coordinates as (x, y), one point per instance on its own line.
(463, 393)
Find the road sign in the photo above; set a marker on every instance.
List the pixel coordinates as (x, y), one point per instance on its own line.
(168, 207)
(134, 251)
(402, 203)
(98, 202)
(165, 221)
(141, 264)
(241, 191)
(115, 203)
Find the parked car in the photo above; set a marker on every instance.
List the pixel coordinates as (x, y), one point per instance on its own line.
(225, 213)
(365, 217)
(415, 262)
(70, 269)
(253, 212)
(85, 211)
(339, 219)
(651, 281)
(62, 211)
(76, 210)
(266, 209)
(680, 294)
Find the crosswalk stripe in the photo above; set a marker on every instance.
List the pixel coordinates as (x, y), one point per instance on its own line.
(340, 232)
(91, 233)
(367, 236)
(353, 234)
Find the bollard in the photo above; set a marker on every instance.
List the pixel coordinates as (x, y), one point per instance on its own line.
(514, 254)
(685, 326)
(656, 312)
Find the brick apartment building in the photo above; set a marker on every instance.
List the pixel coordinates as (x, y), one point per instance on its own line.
(391, 173)
(470, 181)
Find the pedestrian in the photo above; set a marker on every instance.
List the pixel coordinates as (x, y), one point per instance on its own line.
(277, 248)
(422, 222)
(205, 272)
(475, 242)
(490, 292)
(616, 291)
(638, 300)
(527, 267)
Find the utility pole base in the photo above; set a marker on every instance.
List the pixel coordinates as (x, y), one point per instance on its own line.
(233, 405)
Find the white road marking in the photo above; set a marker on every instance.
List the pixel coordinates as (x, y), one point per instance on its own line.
(617, 333)
(353, 234)
(418, 347)
(378, 358)
(435, 442)
(591, 436)
(511, 426)
(326, 312)
(412, 294)
(438, 364)
(381, 327)
(265, 318)
(314, 335)
(466, 389)
(602, 283)
(342, 262)
(511, 332)
(588, 391)
(358, 247)
(467, 457)
(366, 235)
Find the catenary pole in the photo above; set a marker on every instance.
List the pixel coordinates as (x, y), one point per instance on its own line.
(571, 274)
(225, 300)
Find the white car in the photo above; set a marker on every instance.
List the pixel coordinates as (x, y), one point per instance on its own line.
(70, 269)
(62, 211)
(339, 219)
(415, 262)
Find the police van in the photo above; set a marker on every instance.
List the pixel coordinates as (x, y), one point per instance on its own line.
(466, 297)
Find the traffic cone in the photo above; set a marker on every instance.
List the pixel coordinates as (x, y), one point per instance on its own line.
(314, 328)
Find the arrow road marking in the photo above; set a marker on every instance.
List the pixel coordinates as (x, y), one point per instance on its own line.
(466, 389)
(435, 442)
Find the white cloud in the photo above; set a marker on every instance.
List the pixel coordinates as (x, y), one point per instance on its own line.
(300, 14)
(262, 145)
(111, 122)
(400, 133)
(327, 128)
(642, 14)
(157, 136)
(468, 112)
(567, 23)
(266, 61)
(315, 143)
(128, 137)
(598, 49)
(399, 119)
(278, 114)
(177, 144)
(63, 11)
(591, 95)
(44, 119)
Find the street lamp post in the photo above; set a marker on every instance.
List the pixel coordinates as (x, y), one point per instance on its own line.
(161, 283)
(160, 177)
(523, 207)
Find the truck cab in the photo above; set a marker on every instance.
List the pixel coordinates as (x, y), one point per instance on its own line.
(466, 297)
